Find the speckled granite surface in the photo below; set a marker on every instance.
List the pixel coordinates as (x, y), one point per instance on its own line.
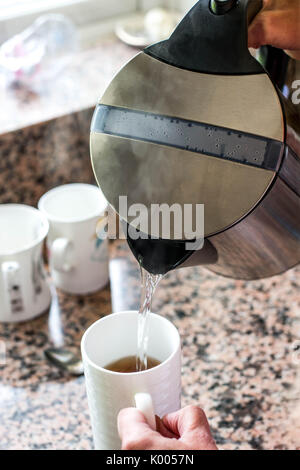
(239, 339)
(40, 157)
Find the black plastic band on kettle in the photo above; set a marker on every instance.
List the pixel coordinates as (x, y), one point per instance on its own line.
(212, 43)
(196, 137)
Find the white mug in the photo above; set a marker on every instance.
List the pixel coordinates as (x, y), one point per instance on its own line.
(24, 291)
(78, 255)
(154, 391)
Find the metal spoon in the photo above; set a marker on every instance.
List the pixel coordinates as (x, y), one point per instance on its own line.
(58, 355)
(65, 360)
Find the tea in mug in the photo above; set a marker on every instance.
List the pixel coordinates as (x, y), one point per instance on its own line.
(131, 364)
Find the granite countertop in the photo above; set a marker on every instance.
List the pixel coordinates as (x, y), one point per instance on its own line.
(240, 358)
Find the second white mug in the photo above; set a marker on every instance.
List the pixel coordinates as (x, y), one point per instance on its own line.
(24, 290)
(78, 257)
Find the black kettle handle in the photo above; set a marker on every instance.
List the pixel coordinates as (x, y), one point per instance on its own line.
(212, 42)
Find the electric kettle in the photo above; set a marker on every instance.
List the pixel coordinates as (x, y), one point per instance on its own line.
(196, 120)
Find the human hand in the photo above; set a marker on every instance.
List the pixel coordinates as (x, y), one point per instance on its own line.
(186, 429)
(277, 24)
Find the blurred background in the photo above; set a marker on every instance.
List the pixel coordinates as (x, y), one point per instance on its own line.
(57, 56)
(18, 14)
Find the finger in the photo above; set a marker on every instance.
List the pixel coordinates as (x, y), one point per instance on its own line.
(276, 28)
(190, 424)
(136, 433)
(163, 430)
(256, 33)
(255, 30)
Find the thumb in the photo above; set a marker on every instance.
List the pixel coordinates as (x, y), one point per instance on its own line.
(135, 432)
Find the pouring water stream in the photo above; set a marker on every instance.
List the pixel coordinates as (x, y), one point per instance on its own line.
(149, 283)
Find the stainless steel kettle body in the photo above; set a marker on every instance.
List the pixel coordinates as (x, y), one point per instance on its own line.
(197, 120)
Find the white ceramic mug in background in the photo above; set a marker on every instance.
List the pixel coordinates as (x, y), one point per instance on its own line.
(24, 291)
(78, 257)
(115, 337)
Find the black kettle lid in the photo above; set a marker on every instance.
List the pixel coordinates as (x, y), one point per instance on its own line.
(212, 38)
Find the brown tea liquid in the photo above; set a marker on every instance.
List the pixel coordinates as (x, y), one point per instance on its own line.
(129, 364)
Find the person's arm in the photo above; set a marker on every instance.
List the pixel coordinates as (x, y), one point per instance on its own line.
(278, 25)
(186, 429)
